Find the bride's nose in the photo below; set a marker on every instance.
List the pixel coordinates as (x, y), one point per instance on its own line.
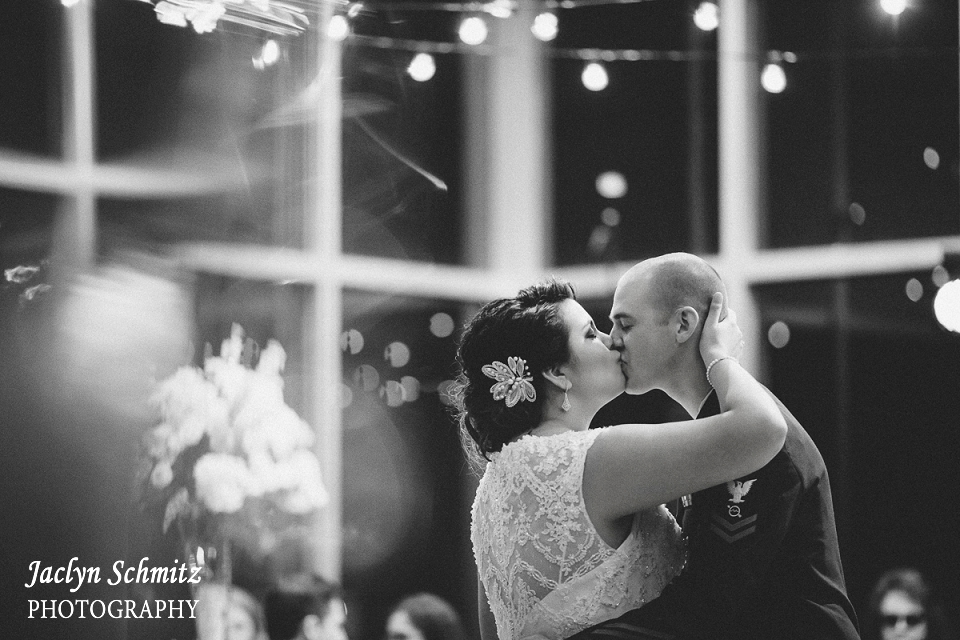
(607, 340)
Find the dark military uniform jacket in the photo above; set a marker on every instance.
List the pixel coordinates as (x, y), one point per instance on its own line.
(764, 561)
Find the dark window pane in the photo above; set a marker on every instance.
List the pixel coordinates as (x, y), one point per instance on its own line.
(655, 124)
(401, 146)
(873, 378)
(26, 227)
(863, 143)
(30, 65)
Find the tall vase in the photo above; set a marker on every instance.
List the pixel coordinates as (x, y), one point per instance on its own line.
(213, 592)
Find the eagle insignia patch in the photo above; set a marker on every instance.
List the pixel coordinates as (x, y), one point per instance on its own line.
(738, 490)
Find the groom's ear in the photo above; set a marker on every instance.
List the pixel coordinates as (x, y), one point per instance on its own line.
(554, 376)
(687, 320)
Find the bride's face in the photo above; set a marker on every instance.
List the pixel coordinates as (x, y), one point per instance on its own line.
(594, 368)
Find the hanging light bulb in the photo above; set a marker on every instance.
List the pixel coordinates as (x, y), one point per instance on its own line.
(545, 26)
(707, 16)
(422, 67)
(773, 78)
(946, 306)
(338, 29)
(499, 8)
(595, 77)
(473, 31)
(893, 7)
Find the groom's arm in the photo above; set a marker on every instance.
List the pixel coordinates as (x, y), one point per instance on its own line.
(733, 548)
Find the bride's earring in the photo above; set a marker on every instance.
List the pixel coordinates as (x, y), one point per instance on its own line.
(566, 400)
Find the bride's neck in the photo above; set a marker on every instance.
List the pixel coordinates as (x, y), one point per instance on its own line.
(552, 425)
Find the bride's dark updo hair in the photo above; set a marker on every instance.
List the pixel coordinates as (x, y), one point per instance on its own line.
(527, 326)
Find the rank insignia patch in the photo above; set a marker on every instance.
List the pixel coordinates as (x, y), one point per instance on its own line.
(733, 531)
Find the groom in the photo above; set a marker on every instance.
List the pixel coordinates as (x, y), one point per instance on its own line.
(764, 561)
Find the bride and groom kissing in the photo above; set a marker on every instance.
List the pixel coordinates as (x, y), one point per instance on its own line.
(570, 530)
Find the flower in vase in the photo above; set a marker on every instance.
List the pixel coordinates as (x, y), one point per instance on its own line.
(223, 482)
(228, 444)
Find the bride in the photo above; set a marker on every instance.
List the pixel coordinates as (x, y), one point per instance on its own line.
(568, 524)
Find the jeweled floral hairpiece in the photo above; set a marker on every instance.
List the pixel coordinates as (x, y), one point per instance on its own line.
(513, 381)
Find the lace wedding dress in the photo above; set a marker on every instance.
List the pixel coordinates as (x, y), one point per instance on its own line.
(546, 571)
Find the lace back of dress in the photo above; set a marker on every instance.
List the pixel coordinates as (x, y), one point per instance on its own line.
(530, 530)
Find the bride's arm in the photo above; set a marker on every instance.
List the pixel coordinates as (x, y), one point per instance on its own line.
(633, 467)
(488, 626)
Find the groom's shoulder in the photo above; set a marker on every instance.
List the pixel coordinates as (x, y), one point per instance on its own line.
(799, 448)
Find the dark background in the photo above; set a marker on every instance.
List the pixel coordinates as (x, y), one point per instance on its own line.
(869, 373)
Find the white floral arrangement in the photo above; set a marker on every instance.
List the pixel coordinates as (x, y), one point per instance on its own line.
(228, 446)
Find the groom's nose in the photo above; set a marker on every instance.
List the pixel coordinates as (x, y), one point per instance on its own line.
(616, 341)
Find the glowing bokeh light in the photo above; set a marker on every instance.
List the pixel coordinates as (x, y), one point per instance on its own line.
(397, 354)
(595, 77)
(779, 334)
(411, 388)
(939, 276)
(946, 306)
(422, 67)
(600, 239)
(473, 31)
(366, 377)
(858, 215)
(707, 16)
(69, 3)
(773, 78)
(545, 26)
(893, 7)
(392, 391)
(610, 217)
(339, 28)
(441, 325)
(269, 56)
(352, 341)
(914, 289)
(271, 52)
(931, 158)
(611, 185)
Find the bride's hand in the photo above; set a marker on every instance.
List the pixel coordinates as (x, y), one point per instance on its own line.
(720, 337)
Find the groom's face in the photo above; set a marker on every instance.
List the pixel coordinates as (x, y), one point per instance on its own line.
(641, 333)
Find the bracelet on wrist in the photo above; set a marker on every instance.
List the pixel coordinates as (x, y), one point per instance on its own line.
(715, 361)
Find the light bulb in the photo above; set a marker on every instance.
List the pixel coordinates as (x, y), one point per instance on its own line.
(422, 67)
(338, 29)
(893, 7)
(707, 16)
(946, 306)
(473, 31)
(545, 26)
(595, 77)
(773, 78)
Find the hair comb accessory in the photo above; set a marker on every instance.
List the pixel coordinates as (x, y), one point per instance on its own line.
(513, 381)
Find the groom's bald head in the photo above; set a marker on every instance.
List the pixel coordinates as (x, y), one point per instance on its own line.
(674, 280)
(659, 305)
